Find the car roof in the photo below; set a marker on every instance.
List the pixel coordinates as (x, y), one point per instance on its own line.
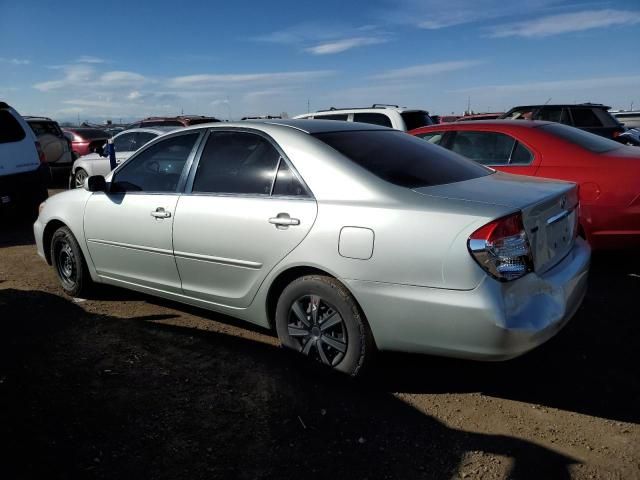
(564, 105)
(476, 123)
(304, 125)
(159, 130)
(30, 118)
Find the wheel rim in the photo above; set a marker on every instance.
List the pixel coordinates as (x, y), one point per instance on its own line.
(319, 329)
(80, 177)
(66, 264)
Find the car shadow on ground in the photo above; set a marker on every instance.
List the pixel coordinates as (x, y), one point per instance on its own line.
(86, 395)
(590, 367)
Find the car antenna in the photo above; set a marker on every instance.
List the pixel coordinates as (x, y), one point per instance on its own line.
(548, 100)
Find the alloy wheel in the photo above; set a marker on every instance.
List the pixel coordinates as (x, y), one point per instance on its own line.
(319, 329)
(79, 178)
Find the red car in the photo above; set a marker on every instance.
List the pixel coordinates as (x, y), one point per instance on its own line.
(85, 140)
(608, 172)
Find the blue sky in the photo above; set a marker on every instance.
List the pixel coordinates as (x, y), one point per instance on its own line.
(98, 60)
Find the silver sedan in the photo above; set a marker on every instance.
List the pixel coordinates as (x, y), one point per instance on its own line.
(345, 238)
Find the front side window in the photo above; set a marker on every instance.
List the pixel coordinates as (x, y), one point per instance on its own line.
(157, 168)
(142, 138)
(236, 162)
(487, 148)
(124, 142)
(432, 137)
(402, 159)
(373, 118)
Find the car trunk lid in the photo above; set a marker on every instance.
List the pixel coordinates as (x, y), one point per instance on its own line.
(549, 209)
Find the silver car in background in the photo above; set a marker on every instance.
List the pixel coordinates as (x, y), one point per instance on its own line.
(126, 143)
(345, 238)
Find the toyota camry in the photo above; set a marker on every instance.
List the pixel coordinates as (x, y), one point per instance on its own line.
(344, 238)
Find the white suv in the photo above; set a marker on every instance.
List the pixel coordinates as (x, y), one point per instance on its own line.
(24, 173)
(391, 116)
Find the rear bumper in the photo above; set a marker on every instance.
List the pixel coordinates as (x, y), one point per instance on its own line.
(26, 188)
(495, 321)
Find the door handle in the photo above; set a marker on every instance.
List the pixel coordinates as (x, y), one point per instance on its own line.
(160, 213)
(283, 220)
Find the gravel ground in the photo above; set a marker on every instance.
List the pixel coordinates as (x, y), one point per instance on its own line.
(124, 385)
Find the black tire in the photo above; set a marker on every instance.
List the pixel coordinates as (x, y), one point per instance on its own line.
(78, 175)
(69, 264)
(317, 316)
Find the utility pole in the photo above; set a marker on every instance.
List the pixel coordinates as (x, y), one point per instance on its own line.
(308, 106)
(469, 105)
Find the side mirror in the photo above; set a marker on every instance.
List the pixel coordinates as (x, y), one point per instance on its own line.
(95, 183)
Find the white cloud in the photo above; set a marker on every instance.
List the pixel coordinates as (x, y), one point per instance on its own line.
(567, 22)
(91, 103)
(15, 61)
(426, 70)
(556, 85)
(89, 59)
(344, 44)
(230, 80)
(85, 76)
(436, 14)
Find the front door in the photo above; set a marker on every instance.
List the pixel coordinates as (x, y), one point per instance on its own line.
(239, 220)
(129, 228)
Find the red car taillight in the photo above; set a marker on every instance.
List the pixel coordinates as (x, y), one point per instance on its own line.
(502, 248)
(41, 155)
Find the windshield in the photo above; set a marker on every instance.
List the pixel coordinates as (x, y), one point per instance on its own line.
(416, 119)
(590, 141)
(402, 159)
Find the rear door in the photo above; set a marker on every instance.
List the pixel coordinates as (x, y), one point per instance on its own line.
(245, 209)
(129, 228)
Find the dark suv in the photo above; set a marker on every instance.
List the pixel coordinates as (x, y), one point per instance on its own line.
(178, 121)
(591, 117)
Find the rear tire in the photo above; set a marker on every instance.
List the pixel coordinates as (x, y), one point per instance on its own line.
(69, 264)
(318, 317)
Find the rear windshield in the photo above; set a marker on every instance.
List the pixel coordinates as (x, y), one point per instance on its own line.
(196, 121)
(416, 119)
(402, 159)
(590, 141)
(10, 129)
(91, 133)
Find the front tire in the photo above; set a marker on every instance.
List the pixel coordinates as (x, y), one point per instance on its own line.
(318, 317)
(79, 177)
(69, 263)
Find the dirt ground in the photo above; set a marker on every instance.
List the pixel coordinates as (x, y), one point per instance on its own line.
(124, 385)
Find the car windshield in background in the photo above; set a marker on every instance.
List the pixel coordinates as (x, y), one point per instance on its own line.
(593, 143)
(402, 159)
(416, 119)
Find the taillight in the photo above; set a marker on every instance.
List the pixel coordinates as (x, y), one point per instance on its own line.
(616, 134)
(502, 248)
(41, 156)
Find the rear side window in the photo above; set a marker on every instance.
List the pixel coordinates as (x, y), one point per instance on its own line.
(142, 138)
(416, 119)
(10, 129)
(43, 128)
(585, 118)
(373, 118)
(590, 141)
(236, 162)
(287, 184)
(337, 116)
(606, 118)
(402, 159)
